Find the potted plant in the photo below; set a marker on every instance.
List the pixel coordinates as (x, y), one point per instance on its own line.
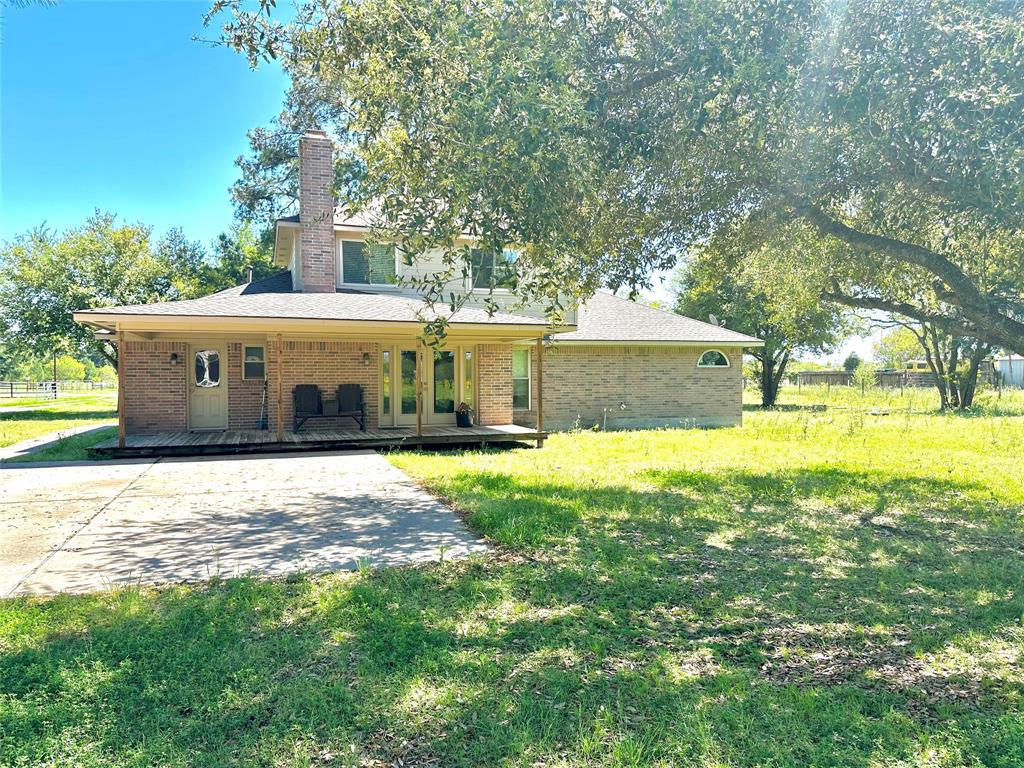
(464, 415)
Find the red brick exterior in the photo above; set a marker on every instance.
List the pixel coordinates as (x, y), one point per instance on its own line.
(155, 390)
(326, 364)
(660, 386)
(244, 395)
(494, 386)
(317, 249)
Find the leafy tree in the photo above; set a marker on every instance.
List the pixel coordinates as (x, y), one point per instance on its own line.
(715, 283)
(610, 137)
(45, 277)
(852, 362)
(234, 252)
(41, 369)
(896, 347)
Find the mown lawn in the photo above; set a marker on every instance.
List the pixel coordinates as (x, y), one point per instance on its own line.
(815, 588)
(48, 416)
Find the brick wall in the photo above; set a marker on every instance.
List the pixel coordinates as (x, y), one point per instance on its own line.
(326, 364)
(244, 395)
(661, 386)
(318, 265)
(155, 393)
(494, 395)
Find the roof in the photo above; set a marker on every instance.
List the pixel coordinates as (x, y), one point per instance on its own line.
(273, 297)
(609, 318)
(342, 218)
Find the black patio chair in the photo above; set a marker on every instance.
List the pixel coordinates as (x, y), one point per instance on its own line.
(307, 403)
(351, 403)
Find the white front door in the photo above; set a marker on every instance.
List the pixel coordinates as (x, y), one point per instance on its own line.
(208, 387)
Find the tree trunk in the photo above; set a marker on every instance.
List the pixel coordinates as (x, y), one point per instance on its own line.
(769, 390)
(952, 378)
(773, 368)
(968, 383)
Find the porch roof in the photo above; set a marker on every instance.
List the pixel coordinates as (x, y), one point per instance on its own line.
(274, 299)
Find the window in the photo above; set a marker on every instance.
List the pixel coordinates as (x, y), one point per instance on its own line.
(444, 381)
(367, 263)
(493, 270)
(467, 378)
(713, 359)
(207, 368)
(254, 364)
(386, 383)
(521, 379)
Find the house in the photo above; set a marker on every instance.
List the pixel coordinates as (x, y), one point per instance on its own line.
(228, 363)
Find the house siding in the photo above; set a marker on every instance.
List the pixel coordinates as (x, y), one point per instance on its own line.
(155, 390)
(326, 364)
(245, 396)
(659, 385)
(494, 371)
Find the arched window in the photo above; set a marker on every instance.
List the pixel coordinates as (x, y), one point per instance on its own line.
(713, 359)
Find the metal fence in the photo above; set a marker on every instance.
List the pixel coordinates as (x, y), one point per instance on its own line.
(12, 389)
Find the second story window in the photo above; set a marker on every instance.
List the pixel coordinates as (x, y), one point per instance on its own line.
(367, 263)
(493, 270)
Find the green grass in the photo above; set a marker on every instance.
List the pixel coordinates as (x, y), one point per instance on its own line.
(70, 448)
(814, 588)
(52, 416)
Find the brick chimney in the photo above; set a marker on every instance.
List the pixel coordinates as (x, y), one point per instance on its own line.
(316, 214)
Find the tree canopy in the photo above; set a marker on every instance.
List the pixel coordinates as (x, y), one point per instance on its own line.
(718, 284)
(608, 138)
(45, 277)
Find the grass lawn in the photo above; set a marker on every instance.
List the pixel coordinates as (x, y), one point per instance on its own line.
(52, 416)
(814, 588)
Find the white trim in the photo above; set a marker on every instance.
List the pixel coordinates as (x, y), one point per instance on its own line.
(638, 343)
(728, 362)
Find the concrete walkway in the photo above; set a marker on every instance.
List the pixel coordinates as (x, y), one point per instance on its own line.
(90, 526)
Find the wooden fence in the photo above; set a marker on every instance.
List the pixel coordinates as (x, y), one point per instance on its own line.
(11, 389)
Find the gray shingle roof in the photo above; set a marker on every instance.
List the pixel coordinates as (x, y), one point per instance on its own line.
(610, 318)
(274, 298)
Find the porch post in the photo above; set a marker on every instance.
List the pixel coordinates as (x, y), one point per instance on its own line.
(420, 362)
(280, 401)
(540, 390)
(120, 387)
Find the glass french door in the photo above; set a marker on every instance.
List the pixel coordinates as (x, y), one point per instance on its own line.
(447, 381)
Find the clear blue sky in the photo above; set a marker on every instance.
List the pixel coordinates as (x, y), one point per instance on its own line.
(111, 105)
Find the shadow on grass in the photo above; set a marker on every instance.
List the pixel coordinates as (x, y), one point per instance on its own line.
(743, 618)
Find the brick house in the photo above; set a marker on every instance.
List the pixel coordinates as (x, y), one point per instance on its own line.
(338, 313)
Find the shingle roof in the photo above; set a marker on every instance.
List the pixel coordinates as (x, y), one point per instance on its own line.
(273, 298)
(606, 317)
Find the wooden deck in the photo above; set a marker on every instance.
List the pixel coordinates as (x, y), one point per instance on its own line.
(257, 441)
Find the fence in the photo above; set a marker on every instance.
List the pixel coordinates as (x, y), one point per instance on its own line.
(11, 389)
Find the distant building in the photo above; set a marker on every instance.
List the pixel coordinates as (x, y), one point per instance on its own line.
(1010, 370)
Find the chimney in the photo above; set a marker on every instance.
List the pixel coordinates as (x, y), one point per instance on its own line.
(248, 274)
(318, 259)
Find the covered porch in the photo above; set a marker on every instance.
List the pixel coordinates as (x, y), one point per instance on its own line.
(238, 441)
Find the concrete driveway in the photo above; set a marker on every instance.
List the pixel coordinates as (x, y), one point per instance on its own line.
(79, 528)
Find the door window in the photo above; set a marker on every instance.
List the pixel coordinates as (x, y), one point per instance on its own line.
(207, 368)
(408, 381)
(444, 382)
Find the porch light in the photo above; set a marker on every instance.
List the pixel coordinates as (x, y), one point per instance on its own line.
(174, 358)
(366, 358)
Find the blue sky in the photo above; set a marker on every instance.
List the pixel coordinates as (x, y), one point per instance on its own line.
(111, 105)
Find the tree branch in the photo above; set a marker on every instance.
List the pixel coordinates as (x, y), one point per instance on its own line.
(947, 323)
(976, 307)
